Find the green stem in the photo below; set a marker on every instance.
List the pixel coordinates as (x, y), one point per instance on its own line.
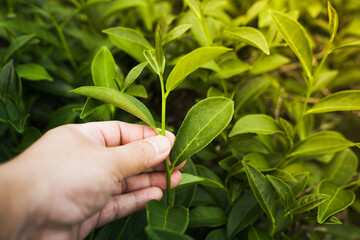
(163, 117)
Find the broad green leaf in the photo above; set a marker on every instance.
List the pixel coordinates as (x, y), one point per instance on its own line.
(257, 160)
(308, 202)
(17, 44)
(176, 32)
(343, 231)
(338, 201)
(333, 21)
(120, 100)
(130, 41)
(299, 186)
(284, 191)
(117, 5)
(295, 36)
(247, 35)
(89, 107)
(355, 44)
(243, 213)
(160, 234)
(133, 74)
(186, 195)
(342, 167)
(190, 62)
(194, 5)
(207, 216)
(189, 179)
(204, 121)
(255, 123)
(137, 91)
(32, 71)
(262, 190)
(163, 217)
(150, 58)
(268, 63)
(341, 101)
(219, 233)
(103, 69)
(209, 178)
(257, 234)
(321, 143)
(231, 67)
(250, 92)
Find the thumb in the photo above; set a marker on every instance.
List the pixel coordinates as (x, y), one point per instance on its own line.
(136, 157)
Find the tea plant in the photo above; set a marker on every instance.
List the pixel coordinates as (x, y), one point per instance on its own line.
(270, 151)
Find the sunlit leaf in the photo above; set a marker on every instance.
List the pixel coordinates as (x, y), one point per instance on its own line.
(133, 74)
(176, 32)
(333, 21)
(32, 71)
(204, 121)
(194, 5)
(355, 44)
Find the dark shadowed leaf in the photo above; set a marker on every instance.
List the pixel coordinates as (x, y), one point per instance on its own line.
(17, 44)
(204, 121)
(284, 191)
(308, 202)
(257, 234)
(160, 234)
(250, 92)
(355, 44)
(207, 216)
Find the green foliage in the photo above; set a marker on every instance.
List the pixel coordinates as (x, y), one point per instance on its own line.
(275, 140)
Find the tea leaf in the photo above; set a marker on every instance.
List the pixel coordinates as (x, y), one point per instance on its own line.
(257, 161)
(255, 123)
(299, 186)
(294, 34)
(190, 62)
(250, 92)
(308, 202)
(120, 100)
(32, 71)
(204, 121)
(150, 57)
(207, 216)
(10, 84)
(219, 233)
(160, 234)
(89, 107)
(117, 5)
(176, 32)
(17, 44)
(246, 35)
(243, 213)
(333, 21)
(163, 217)
(262, 190)
(284, 191)
(133, 74)
(341, 101)
(194, 5)
(268, 63)
(137, 91)
(257, 234)
(342, 167)
(130, 41)
(338, 201)
(321, 143)
(189, 179)
(209, 178)
(355, 44)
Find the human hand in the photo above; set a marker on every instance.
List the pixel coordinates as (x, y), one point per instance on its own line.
(81, 176)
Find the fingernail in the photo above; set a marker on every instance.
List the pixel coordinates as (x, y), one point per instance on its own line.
(160, 143)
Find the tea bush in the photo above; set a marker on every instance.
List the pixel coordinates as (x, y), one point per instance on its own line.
(262, 95)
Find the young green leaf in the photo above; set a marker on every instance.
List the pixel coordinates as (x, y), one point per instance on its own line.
(103, 69)
(190, 62)
(246, 35)
(338, 201)
(321, 143)
(299, 186)
(341, 101)
(17, 44)
(189, 179)
(255, 123)
(115, 6)
(159, 52)
(136, 90)
(194, 5)
(207, 216)
(130, 41)
(150, 58)
(89, 107)
(243, 213)
(218, 233)
(257, 160)
(120, 100)
(268, 63)
(262, 190)
(294, 34)
(176, 32)
(284, 191)
(160, 234)
(333, 21)
(133, 74)
(250, 92)
(204, 121)
(342, 168)
(308, 202)
(355, 44)
(163, 217)
(32, 71)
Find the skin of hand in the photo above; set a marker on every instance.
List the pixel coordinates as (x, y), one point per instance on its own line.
(78, 177)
